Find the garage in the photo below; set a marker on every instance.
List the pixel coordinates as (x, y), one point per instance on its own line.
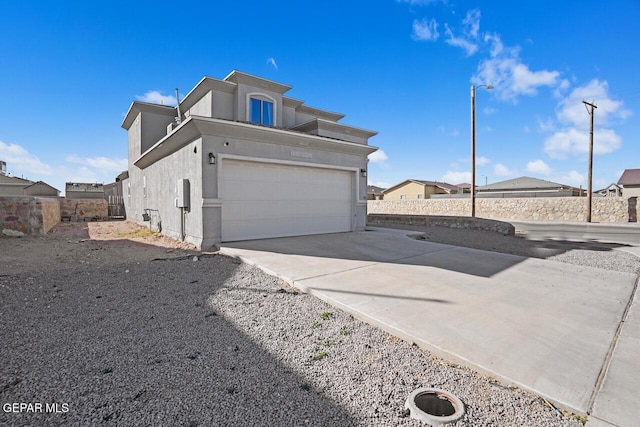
(263, 200)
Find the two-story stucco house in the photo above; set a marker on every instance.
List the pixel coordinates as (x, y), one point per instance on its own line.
(237, 160)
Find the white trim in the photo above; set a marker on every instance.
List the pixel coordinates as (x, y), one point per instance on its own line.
(222, 156)
(211, 203)
(355, 173)
(257, 96)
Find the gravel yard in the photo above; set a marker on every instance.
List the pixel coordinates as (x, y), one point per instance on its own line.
(593, 254)
(147, 332)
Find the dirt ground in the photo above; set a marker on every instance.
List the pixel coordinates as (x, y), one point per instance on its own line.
(87, 243)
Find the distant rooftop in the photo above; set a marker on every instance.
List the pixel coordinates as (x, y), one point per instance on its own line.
(84, 187)
(522, 183)
(630, 177)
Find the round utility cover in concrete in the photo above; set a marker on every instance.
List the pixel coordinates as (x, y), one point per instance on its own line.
(434, 406)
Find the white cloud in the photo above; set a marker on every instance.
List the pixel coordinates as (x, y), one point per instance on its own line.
(501, 170)
(380, 158)
(572, 141)
(562, 87)
(511, 78)
(155, 97)
(381, 184)
(572, 110)
(19, 160)
(547, 125)
(454, 178)
(482, 161)
(448, 132)
(488, 110)
(469, 47)
(472, 23)
(496, 43)
(538, 167)
(526, 129)
(83, 174)
(272, 62)
(102, 164)
(425, 30)
(418, 2)
(573, 178)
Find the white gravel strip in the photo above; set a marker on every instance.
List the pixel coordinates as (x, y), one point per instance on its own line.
(608, 256)
(214, 342)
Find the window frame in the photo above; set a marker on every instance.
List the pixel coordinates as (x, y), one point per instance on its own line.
(258, 96)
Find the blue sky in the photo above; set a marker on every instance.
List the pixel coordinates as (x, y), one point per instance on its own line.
(69, 71)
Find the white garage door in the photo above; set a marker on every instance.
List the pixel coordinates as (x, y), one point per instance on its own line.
(262, 200)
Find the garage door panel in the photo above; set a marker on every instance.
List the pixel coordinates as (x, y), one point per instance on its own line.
(261, 200)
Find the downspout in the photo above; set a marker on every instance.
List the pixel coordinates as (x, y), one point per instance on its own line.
(182, 233)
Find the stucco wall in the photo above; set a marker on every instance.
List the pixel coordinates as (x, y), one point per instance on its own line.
(631, 191)
(12, 190)
(159, 202)
(604, 209)
(29, 215)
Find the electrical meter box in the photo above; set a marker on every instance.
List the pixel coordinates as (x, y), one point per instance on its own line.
(182, 193)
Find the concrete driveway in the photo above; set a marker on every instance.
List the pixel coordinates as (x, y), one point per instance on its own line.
(548, 327)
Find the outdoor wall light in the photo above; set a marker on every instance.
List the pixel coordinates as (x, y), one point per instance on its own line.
(363, 172)
(212, 159)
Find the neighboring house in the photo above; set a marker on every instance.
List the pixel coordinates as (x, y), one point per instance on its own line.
(464, 188)
(413, 189)
(41, 189)
(613, 190)
(113, 189)
(374, 193)
(630, 181)
(84, 190)
(236, 160)
(526, 187)
(113, 194)
(12, 185)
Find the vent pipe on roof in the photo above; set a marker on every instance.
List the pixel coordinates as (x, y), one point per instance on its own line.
(179, 118)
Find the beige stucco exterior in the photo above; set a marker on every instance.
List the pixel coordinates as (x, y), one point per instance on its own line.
(631, 191)
(412, 190)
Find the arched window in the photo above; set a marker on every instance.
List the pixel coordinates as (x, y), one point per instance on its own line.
(261, 109)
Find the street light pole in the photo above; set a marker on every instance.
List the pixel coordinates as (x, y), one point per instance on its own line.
(473, 147)
(473, 151)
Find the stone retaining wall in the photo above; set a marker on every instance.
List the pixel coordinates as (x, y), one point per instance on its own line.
(469, 223)
(38, 215)
(28, 215)
(50, 213)
(84, 208)
(570, 209)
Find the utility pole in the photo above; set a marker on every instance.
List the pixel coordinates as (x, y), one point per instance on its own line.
(473, 146)
(590, 189)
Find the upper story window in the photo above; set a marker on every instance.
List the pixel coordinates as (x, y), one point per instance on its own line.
(261, 112)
